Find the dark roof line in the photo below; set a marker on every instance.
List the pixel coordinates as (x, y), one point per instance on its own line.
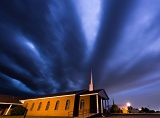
(16, 100)
(56, 94)
(79, 92)
(5, 99)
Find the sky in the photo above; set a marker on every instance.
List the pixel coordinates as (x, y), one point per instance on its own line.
(51, 46)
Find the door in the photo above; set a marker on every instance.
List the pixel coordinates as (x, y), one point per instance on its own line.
(93, 105)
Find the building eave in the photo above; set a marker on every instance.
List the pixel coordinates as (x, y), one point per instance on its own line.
(89, 94)
(11, 103)
(22, 101)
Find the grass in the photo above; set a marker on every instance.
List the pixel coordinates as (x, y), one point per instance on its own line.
(34, 117)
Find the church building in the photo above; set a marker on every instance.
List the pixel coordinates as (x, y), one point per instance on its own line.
(74, 103)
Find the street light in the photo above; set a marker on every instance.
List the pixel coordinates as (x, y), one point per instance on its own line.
(128, 104)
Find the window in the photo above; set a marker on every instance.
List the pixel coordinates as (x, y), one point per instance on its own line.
(32, 107)
(67, 104)
(39, 106)
(26, 105)
(82, 104)
(47, 106)
(57, 105)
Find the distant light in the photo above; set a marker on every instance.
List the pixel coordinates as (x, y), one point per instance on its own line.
(128, 104)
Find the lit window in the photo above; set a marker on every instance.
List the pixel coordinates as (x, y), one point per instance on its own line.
(67, 104)
(39, 106)
(57, 105)
(32, 107)
(47, 106)
(82, 104)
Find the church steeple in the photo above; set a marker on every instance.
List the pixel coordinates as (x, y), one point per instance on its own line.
(91, 83)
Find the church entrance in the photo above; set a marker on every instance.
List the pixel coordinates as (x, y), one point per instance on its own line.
(93, 105)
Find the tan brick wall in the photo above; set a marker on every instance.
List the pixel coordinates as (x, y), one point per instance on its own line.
(86, 102)
(50, 112)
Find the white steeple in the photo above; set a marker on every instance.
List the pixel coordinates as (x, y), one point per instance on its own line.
(91, 83)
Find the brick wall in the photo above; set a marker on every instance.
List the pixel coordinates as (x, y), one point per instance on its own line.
(51, 111)
(86, 102)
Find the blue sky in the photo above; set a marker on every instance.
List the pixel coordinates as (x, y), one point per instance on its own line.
(51, 46)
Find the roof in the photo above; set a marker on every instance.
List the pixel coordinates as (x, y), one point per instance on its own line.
(57, 94)
(91, 92)
(100, 92)
(8, 99)
(79, 92)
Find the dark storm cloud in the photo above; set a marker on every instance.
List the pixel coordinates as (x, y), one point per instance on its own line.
(126, 46)
(41, 45)
(126, 54)
(114, 15)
